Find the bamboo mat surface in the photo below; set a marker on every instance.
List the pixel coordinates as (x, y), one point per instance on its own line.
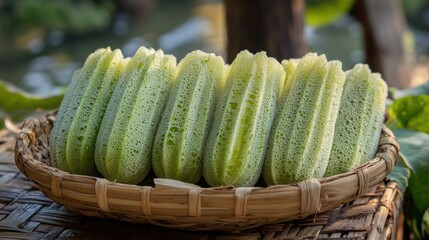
(26, 213)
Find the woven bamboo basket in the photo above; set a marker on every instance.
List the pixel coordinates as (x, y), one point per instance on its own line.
(186, 206)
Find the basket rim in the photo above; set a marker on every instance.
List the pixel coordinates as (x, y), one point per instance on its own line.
(176, 204)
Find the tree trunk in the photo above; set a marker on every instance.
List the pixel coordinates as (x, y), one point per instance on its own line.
(384, 26)
(274, 26)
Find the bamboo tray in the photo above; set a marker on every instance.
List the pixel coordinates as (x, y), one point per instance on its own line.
(185, 206)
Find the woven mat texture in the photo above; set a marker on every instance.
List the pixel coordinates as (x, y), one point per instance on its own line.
(26, 213)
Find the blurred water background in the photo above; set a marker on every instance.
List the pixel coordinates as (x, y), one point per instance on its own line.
(41, 43)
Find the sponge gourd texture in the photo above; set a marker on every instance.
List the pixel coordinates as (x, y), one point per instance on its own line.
(243, 118)
(303, 130)
(181, 134)
(124, 143)
(359, 122)
(81, 112)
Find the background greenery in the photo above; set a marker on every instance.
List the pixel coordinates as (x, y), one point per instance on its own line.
(46, 40)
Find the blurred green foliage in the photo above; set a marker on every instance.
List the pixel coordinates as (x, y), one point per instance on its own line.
(64, 15)
(412, 7)
(409, 120)
(416, 13)
(425, 224)
(411, 112)
(322, 12)
(14, 99)
(16, 104)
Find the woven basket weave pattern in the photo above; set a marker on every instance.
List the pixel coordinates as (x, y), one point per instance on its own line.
(178, 205)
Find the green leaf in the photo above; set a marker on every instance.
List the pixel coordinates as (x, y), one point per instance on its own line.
(13, 99)
(401, 172)
(419, 189)
(410, 112)
(322, 12)
(415, 224)
(419, 90)
(425, 223)
(415, 147)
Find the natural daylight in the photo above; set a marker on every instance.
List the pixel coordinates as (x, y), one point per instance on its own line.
(214, 119)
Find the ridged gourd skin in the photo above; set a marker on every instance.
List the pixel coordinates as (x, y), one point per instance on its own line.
(81, 112)
(359, 121)
(239, 132)
(68, 108)
(378, 111)
(124, 143)
(290, 68)
(180, 138)
(303, 130)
